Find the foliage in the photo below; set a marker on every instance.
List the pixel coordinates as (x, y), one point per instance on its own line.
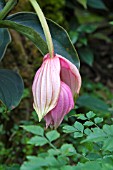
(84, 144)
(13, 82)
(11, 88)
(89, 24)
(95, 147)
(6, 39)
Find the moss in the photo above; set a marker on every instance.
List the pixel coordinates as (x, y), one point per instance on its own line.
(53, 9)
(22, 6)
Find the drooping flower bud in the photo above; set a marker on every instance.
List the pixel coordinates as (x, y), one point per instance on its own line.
(54, 86)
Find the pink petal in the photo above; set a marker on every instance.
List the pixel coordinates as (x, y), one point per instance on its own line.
(49, 120)
(64, 105)
(46, 86)
(70, 75)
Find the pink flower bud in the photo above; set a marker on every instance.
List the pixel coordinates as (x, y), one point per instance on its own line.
(64, 104)
(54, 86)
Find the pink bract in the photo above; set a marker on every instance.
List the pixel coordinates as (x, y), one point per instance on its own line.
(54, 86)
(64, 105)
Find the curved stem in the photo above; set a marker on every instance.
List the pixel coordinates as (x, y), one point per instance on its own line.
(44, 26)
(8, 7)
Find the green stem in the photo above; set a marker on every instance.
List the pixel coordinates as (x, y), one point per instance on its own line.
(52, 145)
(8, 7)
(44, 26)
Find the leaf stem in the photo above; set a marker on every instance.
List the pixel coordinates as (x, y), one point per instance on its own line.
(44, 26)
(52, 145)
(8, 7)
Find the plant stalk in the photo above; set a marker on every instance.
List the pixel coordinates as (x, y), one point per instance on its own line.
(8, 7)
(44, 26)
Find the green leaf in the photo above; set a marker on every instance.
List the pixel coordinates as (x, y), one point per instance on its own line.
(52, 135)
(83, 3)
(98, 4)
(52, 161)
(5, 39)
(108, 129)
(83, 41)
(101, 36)
(93, 156)
(68, 129)
(37, 130)
(78, 134)
(33, 163)
(107, 163)
(92, 103)
(28, 24)
(96, 135)
(68, 167)
(11, 88)
(88, 165)
(78, 126)
(53, 152)
(108, 144)
(104, 135)
(85, 16)
(87, 131)
(88, 123)
(86, 55)
(98, 120)
(38, 141)
(82, 117)
(74, 36)
(87, 28)
(90, 114)
(68, 150)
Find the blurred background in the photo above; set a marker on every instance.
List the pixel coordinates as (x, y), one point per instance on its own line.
(90, 26)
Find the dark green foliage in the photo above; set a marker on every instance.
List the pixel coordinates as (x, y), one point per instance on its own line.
(11, 88)
(92, 103)
(86, 26)
(5, 40)
(4, 35)
(98, 4)
(61, 40)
